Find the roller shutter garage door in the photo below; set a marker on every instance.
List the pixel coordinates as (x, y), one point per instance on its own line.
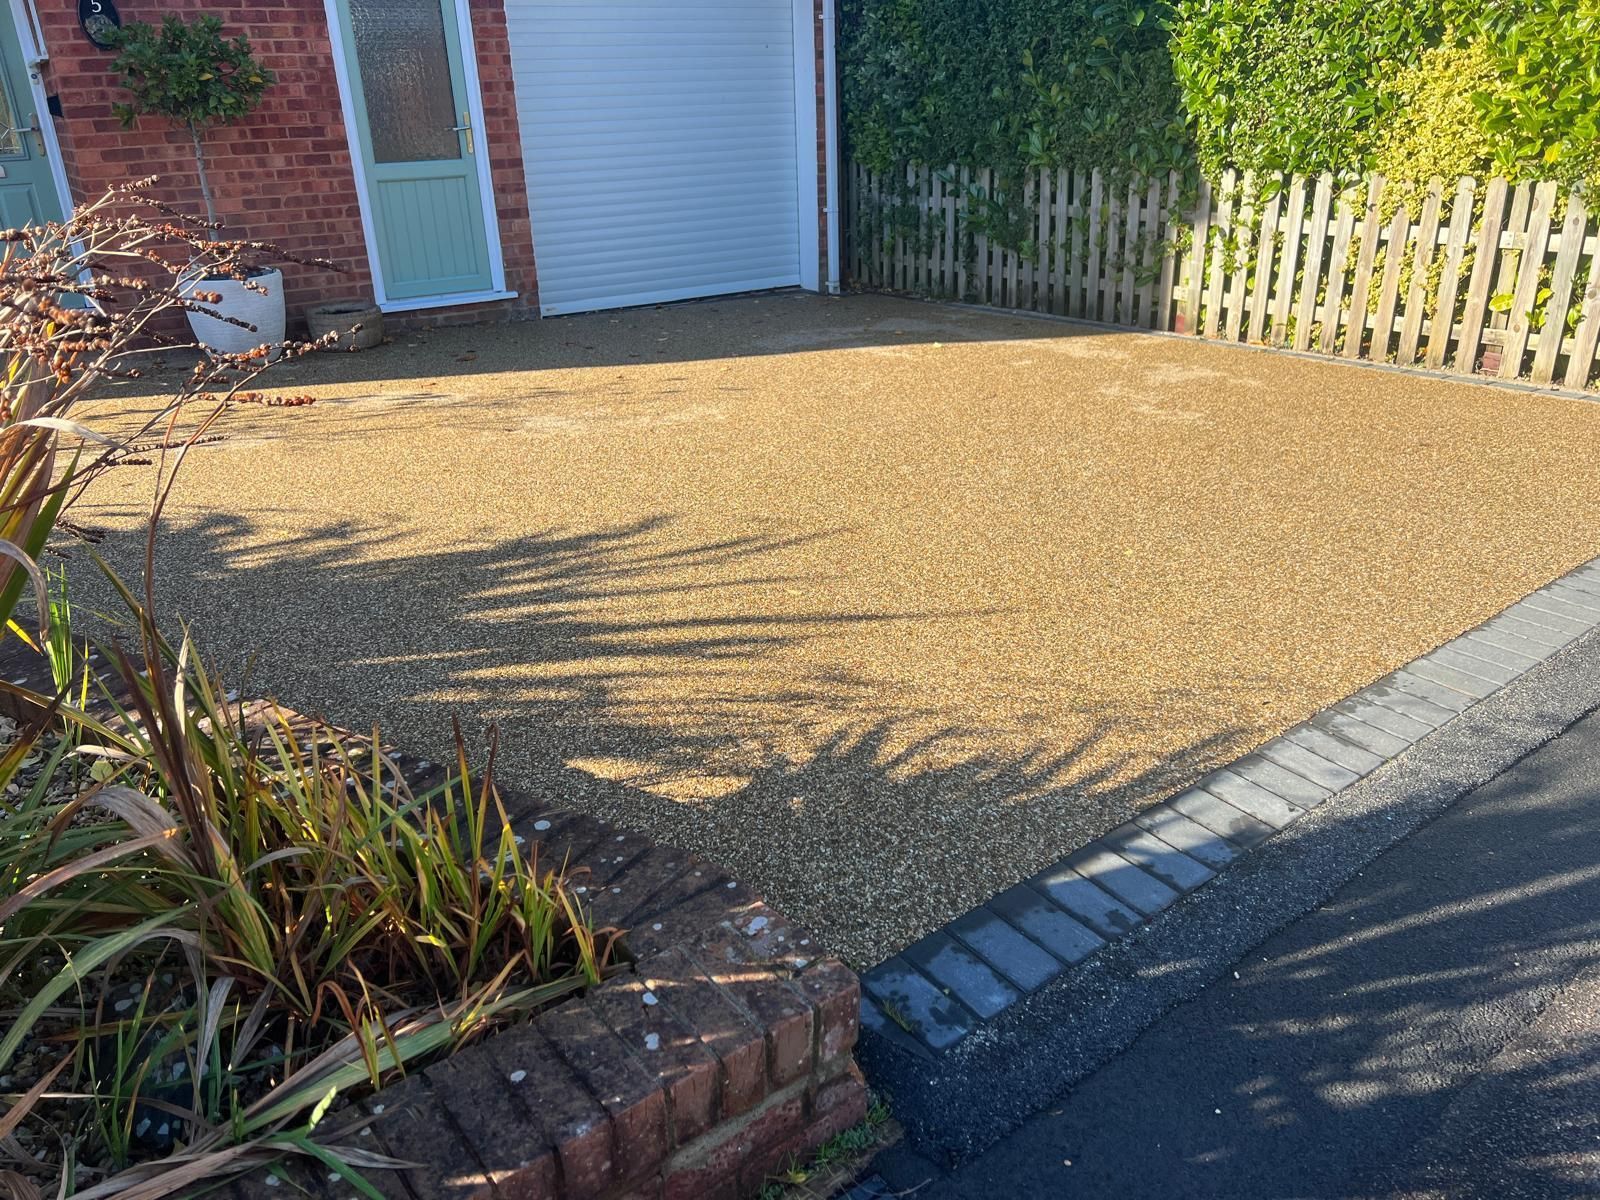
(659, 146)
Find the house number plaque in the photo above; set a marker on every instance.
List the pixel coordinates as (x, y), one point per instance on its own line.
(100, 22)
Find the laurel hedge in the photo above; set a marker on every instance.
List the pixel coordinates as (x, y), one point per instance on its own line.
(1346, 86)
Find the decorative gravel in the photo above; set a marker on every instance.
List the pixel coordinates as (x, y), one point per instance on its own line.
(882, 605)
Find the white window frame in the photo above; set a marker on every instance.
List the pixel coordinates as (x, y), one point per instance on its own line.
(491, 217)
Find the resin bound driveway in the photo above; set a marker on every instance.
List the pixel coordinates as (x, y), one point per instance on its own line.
(883, 605)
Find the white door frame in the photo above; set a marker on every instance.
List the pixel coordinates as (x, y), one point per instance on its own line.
(808, 209)
(491, 218)
(30, 36)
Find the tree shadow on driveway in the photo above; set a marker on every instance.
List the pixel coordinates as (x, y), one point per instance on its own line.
(632, 676)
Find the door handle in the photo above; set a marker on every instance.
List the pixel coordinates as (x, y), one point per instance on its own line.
(31, 127)
(466, 128)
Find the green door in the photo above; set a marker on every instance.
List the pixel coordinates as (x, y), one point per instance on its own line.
(418, 150)
(27, 189)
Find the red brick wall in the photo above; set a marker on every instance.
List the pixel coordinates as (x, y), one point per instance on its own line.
(822, 149)
(284, 174)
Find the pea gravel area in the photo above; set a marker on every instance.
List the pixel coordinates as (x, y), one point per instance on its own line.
(883, 605)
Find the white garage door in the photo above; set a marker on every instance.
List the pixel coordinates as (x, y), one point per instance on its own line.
(658, 140)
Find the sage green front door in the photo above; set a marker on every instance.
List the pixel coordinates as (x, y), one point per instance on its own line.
(418, 148)
(27, 189)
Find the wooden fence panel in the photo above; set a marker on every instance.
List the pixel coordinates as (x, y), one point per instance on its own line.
(1513, 275)
(1366, 258)
(1311, 270)
(1529, 271)
(1491, 228)
(1333, 302)
(1289, 260)
(1416, 301)
(1554, 329)
(1442, 331)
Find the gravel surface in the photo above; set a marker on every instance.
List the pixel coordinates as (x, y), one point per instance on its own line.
(882, 604)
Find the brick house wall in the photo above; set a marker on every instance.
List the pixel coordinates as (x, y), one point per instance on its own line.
(283, 174)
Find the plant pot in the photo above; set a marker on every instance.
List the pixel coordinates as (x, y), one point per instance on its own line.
(358, 324)
(262, 310)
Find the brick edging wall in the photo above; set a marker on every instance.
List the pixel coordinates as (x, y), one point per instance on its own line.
(694, 1075)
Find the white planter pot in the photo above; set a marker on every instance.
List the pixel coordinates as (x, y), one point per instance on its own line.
(262, 309)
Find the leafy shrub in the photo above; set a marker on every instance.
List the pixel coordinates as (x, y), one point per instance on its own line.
(1143, 86)
(1435, 127)
(1295, 87)
(1009, 84)
(187, 72)
(1545, 112)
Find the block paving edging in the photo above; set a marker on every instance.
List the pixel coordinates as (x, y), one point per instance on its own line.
(936, 992)
(725, 1047)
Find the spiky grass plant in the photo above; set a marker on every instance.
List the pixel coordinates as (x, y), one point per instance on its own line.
(320, 925)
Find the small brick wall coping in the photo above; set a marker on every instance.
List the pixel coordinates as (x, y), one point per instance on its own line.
(722, 1050)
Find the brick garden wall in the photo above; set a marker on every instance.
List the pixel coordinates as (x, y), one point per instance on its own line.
(284, 174)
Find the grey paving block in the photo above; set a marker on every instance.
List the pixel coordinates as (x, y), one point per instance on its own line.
(1093, 905)
(916, 1005)
(1544, 635)
(1588, 570)
(1426, 689)
(1129, 883)
(1461, 660)
(1389, 720)
(1047, 924)
(1475, 687)
(1499, 648)
(1020, 959)
(1251, 798)
(1585, 579)
(1168, 864)
(1221, 817)
(961, 973)
(1193, 838)
(1550, 599)
(1537, 610)
(1296, 789)
(1576, 597)
(873, 1019)
(1371, 738)
(1309, 763)
(1336, 749)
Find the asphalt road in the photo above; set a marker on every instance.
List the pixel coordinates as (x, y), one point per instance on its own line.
(1431, 1030)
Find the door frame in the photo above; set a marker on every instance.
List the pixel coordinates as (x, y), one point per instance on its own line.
(30, 39)
(491, 218)
(807, 203)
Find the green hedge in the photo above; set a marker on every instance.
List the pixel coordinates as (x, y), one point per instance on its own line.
(1304, 86)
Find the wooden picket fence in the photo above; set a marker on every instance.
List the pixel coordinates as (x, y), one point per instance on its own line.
(1494, 279)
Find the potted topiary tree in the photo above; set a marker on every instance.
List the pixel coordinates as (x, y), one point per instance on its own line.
(188, 73)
